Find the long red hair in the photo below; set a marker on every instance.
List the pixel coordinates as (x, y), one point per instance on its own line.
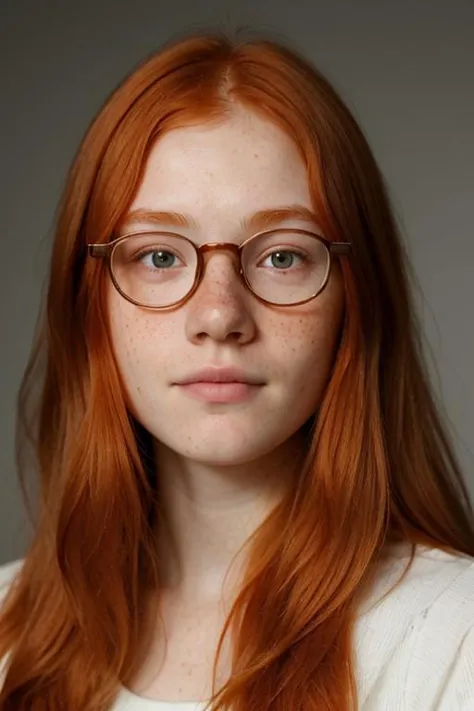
(379, 467)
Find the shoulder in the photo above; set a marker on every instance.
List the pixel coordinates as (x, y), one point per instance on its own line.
(422, 632)
(9, 570)
(8, 573)
(442, 654)
(434, 578)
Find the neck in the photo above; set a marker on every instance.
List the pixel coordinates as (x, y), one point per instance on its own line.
(208, 512)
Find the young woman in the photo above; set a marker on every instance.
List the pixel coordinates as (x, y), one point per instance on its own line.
(247, 497)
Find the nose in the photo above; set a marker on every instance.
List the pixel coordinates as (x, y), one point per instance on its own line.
(221, 307)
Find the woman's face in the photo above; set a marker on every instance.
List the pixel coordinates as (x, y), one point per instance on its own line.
(217, 176)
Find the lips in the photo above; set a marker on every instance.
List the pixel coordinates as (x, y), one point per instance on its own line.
(221, 375)
(221, 385)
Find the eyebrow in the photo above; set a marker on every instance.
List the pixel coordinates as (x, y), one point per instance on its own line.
(260, 220)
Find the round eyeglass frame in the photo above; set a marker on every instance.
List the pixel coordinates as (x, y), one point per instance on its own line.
(106, 251)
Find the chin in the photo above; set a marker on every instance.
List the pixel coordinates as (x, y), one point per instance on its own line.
(229, 445)
(226, 459)
(223, 453)
(224, 439)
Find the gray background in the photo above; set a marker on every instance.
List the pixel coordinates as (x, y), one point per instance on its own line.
(404, 68)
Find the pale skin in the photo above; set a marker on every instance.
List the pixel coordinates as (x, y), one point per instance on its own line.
(221, 468)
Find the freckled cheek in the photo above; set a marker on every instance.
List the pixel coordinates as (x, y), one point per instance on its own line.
(142, 341)
(304, 348)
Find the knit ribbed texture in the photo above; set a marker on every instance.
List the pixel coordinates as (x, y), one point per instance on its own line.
(414, 650)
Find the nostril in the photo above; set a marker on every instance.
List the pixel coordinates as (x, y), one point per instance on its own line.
(232, 336)
(220, 309)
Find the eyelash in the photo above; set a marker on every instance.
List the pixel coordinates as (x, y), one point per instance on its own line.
(300, 256)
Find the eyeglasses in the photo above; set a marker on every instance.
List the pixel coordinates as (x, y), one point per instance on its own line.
(161, 270)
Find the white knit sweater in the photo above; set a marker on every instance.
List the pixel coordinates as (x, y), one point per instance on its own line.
(414, 650)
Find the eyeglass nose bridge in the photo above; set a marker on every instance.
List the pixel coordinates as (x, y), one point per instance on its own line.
(211, 247)
(218, 246)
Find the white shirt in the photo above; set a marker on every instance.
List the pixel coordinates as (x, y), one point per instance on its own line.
(414, 651)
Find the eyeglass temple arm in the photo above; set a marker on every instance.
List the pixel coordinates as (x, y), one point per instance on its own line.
(340, 247)
(98, 250)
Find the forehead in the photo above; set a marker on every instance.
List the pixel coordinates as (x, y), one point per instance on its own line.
(229, 170)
